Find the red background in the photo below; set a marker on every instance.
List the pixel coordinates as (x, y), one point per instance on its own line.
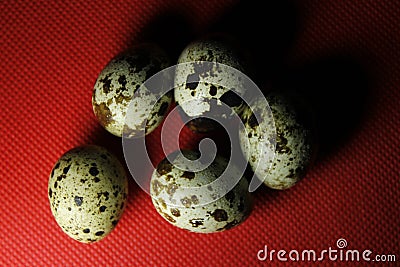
(344, 55)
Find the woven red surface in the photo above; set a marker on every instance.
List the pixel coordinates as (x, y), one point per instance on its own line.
(51, 54)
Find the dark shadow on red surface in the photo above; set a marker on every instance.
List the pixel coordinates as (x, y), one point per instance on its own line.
(171, 30)
(338, 88)
(264, 31)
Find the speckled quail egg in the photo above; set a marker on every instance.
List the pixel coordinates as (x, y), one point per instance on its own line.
(295, 144)
(119, 84)
(189, 200)
(200, 88)
(87, 191)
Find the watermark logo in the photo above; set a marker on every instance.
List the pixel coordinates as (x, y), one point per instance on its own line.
(338, 253)
(222, 76)
(341, 243)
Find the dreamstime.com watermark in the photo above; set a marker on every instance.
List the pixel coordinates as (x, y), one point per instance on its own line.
(338, 253)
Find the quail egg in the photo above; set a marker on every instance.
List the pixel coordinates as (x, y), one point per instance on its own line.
(87, 191)
(295, 144)
(119, 102)
(191, 201)
(202, 84)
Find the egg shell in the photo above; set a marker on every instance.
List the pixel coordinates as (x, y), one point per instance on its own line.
(206, 211)
(87, 191)
(119, 84)
(214, 86)
(295, 140)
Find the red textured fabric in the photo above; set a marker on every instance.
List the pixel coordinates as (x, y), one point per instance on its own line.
(51, 54)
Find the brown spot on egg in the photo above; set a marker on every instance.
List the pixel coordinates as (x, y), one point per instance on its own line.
(164, 167)
(66, 169)
(171, 189)
(121, 98)
(106, 81)
(231, 99)
(219, 215)
(60, 177)
(103, 114)
(78, 200)
(168, 217)
(169, 177)
(99, 233)
(93, 171)
(175, 212)
(122, 80)
(162, 203)
(109, 102)
(194, 200)
(157, 187)
(282, 143)
(196, 222)
(105, 194)
(187, 202)
(188, 175)
(213, 90)
(57, 166)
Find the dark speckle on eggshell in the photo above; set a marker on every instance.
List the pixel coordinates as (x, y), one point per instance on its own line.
(175, 212)
(93, 171)
(213, 90)
(78, 200)
(231, 99)
(196, 222)
(164, 167)
(188, 175)
(220, 215)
